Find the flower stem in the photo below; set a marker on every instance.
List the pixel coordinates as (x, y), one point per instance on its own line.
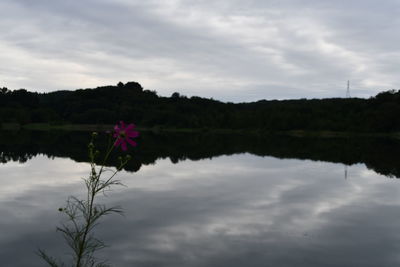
(92, 187)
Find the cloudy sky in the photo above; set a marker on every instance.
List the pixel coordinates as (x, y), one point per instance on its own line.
(231, 50)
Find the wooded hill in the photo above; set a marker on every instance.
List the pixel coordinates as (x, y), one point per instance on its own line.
(129, 102)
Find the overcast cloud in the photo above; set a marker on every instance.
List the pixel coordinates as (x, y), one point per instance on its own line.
(226, 49)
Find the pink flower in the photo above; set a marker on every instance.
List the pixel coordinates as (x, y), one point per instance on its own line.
(124, 134)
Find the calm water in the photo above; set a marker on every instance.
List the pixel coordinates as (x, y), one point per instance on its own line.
(227, 203)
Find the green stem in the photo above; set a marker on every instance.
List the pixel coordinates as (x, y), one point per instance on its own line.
(92, 191)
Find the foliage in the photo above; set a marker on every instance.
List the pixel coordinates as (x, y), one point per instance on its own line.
(104, 105)
(83, 215)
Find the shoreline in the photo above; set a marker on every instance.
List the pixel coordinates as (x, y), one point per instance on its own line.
(158, 129)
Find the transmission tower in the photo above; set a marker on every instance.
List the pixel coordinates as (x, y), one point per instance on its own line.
(348, 89)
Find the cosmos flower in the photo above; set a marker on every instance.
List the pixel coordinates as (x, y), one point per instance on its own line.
(124, 134)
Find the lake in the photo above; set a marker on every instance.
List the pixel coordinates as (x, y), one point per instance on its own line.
(211, 200)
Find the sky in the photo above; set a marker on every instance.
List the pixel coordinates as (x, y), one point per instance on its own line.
(230, 50)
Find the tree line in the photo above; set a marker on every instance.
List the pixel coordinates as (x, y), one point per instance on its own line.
(130, 102)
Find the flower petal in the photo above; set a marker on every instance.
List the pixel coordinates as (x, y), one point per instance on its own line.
(130, 127)
(131, 142)
(118, 142)
(132, 134)
(123, 146)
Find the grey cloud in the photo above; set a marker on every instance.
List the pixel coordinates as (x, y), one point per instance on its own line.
(217, 49)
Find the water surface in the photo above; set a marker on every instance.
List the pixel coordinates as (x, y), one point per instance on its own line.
(248, 204)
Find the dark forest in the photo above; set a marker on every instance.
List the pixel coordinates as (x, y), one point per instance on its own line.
(130, 102)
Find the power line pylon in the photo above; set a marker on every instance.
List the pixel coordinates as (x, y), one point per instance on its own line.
(348, 89)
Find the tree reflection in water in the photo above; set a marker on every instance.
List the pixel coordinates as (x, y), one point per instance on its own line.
(378, 154)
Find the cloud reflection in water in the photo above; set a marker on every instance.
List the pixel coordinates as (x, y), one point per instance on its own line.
(239, 210)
